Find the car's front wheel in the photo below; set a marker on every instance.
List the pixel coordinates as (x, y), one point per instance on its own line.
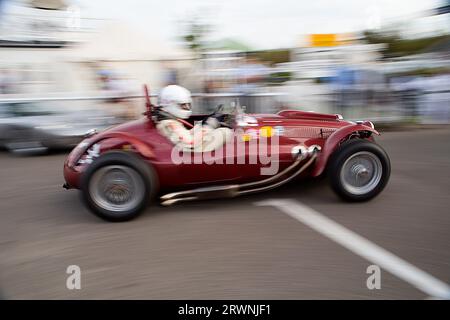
(359, 170)
(118, 186)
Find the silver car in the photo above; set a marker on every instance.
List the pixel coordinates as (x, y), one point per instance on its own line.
(38, 127)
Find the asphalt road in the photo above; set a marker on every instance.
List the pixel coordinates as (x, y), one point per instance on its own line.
(230, 249)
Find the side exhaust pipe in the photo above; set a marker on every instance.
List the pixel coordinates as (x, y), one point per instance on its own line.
(300, 153)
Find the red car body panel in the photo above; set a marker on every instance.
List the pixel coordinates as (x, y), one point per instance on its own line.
(141, 136)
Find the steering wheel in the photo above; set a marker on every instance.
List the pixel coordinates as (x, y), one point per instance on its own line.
(218, 112)
(225, 120)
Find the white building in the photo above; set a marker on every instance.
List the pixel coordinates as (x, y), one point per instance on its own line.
(46, 48)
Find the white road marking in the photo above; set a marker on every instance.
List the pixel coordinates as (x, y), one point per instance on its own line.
(362, 247)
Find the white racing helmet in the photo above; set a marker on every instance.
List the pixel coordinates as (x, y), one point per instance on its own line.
(176, 100)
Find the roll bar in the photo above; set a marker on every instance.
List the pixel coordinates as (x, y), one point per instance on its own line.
(149, 107)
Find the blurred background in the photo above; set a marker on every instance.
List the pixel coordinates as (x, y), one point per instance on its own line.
(68, 66)
(362, 59)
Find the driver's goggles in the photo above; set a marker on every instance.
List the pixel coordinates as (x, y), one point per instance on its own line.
(185, 106)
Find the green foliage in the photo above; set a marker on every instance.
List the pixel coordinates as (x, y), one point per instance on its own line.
(279, 77)
(422, 72)
(397, 46)
(272, 56)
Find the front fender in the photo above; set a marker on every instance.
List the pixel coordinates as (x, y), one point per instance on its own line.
(141, 147)
(124, 138)
(333, 142)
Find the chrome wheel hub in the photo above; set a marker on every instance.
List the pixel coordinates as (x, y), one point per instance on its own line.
(361, 173)
(360, 170)
(116, 188)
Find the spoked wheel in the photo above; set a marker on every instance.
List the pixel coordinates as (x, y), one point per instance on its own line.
(359, 170)
(117, 186)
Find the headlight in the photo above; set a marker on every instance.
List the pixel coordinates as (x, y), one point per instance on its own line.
(90, 133)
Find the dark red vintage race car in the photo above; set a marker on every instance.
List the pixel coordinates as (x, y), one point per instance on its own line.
(120, 170)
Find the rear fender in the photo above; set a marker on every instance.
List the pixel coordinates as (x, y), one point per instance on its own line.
(335, 139)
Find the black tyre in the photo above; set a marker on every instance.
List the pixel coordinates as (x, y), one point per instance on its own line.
(118, 186)
(359, 170)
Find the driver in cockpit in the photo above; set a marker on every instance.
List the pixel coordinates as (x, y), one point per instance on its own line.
(175, 107)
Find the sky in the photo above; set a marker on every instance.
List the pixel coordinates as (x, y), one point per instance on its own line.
(262, 24)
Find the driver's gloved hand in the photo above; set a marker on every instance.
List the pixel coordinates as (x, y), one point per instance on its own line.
(213, 122)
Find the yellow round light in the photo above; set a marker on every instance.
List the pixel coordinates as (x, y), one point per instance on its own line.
(266, 131)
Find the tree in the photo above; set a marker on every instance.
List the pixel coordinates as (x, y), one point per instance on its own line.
(398, 46)
(195, 33)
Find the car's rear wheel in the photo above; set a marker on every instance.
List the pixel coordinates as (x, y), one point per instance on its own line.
(118, 186)
(359, 170)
